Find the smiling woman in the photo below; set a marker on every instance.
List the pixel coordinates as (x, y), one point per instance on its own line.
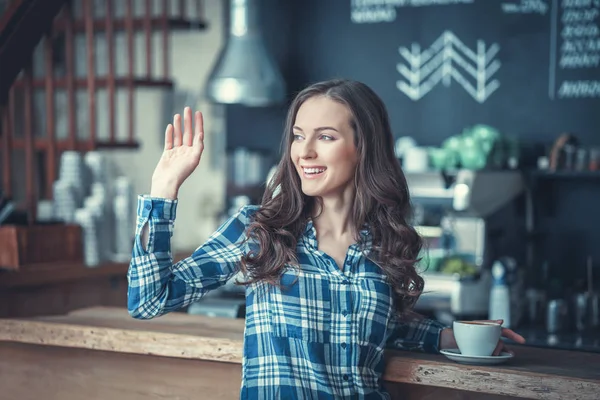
(328, 257)
(342, 128)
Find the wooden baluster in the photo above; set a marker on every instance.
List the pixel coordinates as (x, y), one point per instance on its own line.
(148, 35)
(91, 71)
(12, 101)
(7, 134)
(130, 77)
(70, 75)
(111, 71)
(50, 143)
(30, 156)
(164, 18)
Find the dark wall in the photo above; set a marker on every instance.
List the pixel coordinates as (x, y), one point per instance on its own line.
(315, 40)
(544, 62)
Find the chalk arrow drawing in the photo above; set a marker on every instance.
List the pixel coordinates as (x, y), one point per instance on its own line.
(447, 59)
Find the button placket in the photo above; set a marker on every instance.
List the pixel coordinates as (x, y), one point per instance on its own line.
(346, 340)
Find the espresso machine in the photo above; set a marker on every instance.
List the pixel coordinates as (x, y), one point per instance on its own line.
(468, 219)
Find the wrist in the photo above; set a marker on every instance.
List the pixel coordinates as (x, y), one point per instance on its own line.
(446, 339)
(164, 190)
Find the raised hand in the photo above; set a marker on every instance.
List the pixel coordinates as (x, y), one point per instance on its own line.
(181, 154)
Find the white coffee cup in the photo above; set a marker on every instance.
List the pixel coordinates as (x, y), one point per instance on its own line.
(476, 338)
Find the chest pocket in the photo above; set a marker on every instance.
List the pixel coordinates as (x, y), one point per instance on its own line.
(301, 308)
(376, 311)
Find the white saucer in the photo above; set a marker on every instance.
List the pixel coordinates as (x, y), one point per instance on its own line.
(454, 355)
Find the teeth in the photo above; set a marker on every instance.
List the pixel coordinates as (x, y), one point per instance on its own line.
(313, 170)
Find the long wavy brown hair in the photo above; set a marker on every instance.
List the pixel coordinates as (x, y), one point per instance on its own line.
(382, 199)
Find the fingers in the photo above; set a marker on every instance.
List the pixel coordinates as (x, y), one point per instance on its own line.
(199, 131)
(187, 126)
(177, 136)
(169, 137)
(498, 348)
(512, 335)
(501, 348)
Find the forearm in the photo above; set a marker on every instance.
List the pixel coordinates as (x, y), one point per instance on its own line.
(149, 274)
(416, 333)
(160, 190)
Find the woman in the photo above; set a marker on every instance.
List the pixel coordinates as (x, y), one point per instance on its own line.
(328, 257)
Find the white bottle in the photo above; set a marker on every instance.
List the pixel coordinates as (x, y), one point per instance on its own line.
(500, 295)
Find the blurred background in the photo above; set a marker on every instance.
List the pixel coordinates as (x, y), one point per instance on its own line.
(494, 106)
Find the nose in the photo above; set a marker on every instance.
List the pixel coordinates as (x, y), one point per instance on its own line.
(307, 151)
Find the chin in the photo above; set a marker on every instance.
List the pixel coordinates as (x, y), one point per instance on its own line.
(310, 191)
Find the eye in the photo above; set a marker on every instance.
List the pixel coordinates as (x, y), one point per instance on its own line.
(326, 137)
(297, 136)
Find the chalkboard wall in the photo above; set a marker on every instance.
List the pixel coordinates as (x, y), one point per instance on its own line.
(529, 68)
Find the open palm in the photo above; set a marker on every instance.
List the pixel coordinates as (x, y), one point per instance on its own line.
(182, 150)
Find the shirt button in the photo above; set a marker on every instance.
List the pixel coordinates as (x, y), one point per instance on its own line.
(343, 345)
(345, 377)
(148, 207)
(346, 282)
(345, 313)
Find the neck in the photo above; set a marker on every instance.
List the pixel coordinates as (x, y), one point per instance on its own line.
(334, 218)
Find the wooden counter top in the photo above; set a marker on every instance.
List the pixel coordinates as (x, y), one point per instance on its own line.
(534, 373)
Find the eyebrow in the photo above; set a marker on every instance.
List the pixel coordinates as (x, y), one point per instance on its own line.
(319, 129)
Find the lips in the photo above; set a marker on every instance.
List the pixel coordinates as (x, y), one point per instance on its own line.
(312, 172)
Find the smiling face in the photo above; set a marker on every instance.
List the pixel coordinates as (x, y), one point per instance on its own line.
(323, 148)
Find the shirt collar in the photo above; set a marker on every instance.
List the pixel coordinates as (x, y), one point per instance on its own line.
(310, 235)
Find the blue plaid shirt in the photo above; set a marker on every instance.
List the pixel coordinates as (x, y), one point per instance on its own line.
(321, 335)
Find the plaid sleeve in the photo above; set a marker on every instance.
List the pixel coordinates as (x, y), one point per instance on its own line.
(416, 333)
(156, 285)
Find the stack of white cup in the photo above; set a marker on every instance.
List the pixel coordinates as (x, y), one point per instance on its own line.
(83, 194)
(69, 190)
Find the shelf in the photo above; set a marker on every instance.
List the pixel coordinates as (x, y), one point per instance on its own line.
(99, 83)
(41, 144)
(565, 174)
(56, 272)
(138, 24)
(53, 273)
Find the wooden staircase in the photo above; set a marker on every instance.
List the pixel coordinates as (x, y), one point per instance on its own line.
(65, 61)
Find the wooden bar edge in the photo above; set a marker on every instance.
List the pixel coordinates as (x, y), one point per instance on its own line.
(403, 368)
(121, 340)
(488, 380)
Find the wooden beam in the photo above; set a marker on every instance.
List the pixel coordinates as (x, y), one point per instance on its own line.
(28, 23)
